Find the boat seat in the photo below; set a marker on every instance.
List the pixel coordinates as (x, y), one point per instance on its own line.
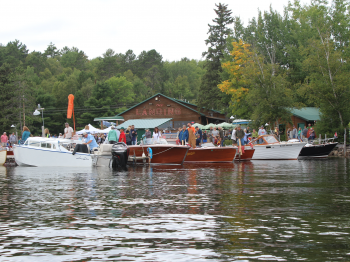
(104, 150)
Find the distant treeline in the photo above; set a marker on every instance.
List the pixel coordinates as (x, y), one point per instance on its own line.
(256, 71)
(103, 86)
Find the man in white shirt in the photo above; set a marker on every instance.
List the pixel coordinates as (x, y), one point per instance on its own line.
(68, 131)
(233, 136)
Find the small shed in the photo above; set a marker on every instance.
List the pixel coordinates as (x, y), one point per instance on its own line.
(307, 115)
(142, 124)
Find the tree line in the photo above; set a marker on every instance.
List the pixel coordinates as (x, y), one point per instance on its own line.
(103, 86)
(281, 61)
(257, 71)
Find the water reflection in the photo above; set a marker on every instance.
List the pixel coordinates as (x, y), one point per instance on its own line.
(245, 211)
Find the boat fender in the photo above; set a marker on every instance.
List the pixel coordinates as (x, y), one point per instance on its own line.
(150, 154)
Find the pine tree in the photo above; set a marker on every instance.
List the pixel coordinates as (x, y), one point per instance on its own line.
(209, 94)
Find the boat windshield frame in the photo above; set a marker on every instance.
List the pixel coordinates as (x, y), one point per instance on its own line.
(267, 139)
(55, 144)
(155, 141)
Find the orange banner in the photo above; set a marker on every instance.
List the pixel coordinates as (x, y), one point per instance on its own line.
(70, 110)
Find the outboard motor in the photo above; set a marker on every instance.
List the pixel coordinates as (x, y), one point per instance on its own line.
(120, 155)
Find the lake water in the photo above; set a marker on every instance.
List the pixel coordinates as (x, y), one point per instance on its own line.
(252, 211)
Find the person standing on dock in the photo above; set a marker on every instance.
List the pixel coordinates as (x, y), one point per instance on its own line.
(183, 136)
(191, 135)
(199, 131)
(233, 136)
(294, 132)
(25, 134)
(133, 133)
(240, 139)
(304, 133)
(68, 131)
(112, 136)
(210, 134)
(13, 139)
(148, 133)
(4, 139)
(122, 137)
(221, 135)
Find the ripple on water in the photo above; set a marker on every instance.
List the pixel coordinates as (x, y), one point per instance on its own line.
(253, 211)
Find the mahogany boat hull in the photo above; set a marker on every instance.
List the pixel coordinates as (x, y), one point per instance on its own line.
(247, 155)
(211, 154)
(162, 154)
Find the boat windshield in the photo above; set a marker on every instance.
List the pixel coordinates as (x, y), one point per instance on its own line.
(208, 145)
(270, 139)
(151, 141)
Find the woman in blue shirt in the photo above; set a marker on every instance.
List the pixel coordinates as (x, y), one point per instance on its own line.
(25, 135)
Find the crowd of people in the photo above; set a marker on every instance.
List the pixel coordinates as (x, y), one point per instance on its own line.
(217, 135)
(189, 134)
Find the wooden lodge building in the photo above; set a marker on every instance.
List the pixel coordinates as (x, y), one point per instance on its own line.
(180, 112)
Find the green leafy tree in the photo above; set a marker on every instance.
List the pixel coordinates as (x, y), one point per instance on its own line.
(108, 66)
(52, 51)
(121, 90)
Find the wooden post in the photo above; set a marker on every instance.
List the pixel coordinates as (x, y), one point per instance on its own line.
(319, 139)
(345, 142)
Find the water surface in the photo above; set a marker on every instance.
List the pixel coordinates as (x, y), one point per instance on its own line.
(252, 211)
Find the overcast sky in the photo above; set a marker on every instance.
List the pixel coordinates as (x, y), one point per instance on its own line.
(176, 29)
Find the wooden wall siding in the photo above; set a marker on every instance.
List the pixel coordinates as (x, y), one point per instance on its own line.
(163, 108)
(207, 112)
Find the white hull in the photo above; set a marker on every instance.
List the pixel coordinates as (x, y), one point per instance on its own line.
(3, 155)
(27, 156)
(278, 151)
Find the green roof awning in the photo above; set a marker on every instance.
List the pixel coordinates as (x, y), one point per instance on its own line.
(109, 118)
(144, 123)
(308, 113)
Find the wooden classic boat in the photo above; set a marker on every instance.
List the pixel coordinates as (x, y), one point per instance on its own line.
(267, 147)
(162, 152)
(247, 155)
(210, 153)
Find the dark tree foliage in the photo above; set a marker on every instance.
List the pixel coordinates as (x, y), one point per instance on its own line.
(8, 98)
(210, 96)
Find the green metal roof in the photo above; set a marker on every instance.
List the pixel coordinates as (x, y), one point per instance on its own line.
(307, 113)
(106, 118)
(145, 123)
(172, 99)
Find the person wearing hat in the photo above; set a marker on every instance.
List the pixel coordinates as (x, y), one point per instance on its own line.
(112, 136)
(90, 140)
(68, 131)
(122, 137)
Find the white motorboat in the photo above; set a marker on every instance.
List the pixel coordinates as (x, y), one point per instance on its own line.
(267, 147)
(39, 151)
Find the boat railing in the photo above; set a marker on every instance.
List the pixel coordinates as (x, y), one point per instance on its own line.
(318, 141)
